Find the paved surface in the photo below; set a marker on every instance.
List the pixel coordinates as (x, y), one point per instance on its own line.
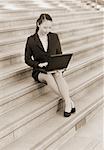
(89, 137)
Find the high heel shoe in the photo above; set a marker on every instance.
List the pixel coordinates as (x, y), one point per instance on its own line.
(67, 111)
(67, 114)
(73, 110)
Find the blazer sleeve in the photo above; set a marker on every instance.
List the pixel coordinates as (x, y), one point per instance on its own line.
(28, 56)
(58, 50)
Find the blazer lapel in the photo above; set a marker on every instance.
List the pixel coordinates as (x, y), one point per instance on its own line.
(38, 42)
(49, 43)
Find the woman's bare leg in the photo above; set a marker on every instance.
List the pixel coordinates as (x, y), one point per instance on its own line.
(58, 84)
(50, 82)
(64, 90)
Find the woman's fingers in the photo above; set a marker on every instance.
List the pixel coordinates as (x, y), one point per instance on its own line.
(43, 64)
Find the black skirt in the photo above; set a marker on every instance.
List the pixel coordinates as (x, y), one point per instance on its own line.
(36, 72)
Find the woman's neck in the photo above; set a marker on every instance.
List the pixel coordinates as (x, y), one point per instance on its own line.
(42, 34)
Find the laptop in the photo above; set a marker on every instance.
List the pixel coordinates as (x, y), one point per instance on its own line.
(58, 61)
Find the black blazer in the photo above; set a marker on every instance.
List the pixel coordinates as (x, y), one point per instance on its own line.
(35, 53)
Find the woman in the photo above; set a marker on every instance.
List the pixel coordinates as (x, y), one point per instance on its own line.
(38, 49)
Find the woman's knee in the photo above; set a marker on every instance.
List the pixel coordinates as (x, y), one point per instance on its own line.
(46, 77)
(49, 77)
(58, 75)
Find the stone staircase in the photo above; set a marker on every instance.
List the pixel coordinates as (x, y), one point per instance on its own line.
(95, 4)
(31, 116)
(71, 5)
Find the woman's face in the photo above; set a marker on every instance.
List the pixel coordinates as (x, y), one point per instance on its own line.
(45, 27)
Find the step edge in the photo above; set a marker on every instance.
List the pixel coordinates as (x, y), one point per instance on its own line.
(88, 83)
(12, 97)
(59, 132)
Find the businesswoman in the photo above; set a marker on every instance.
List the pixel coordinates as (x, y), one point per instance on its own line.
(38, 49)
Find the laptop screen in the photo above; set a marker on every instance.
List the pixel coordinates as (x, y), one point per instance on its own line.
(58, 61)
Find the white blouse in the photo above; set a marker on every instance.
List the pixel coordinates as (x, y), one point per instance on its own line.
(44, 41)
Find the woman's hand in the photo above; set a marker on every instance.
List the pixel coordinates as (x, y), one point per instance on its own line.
(43, 64)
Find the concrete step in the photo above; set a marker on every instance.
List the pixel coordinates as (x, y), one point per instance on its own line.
(12, 42)
(17, 15)
(30, 13)
(38, 4)
(32, 4)
(76, 82)
(89, 21)
(60, 4)
(47, 3)
(13, 57)
(7, 59)
(29, 5)
(85, 136)
(61, 29)
(85, 54)
(77, 32)
(67, 43)
(72, 24)
(16, 22)
(84, 45)
(71, 5)
(82, 39)
(76, 6)
(42, 136)
(18, 93)
(21, 1)
(15, 71)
